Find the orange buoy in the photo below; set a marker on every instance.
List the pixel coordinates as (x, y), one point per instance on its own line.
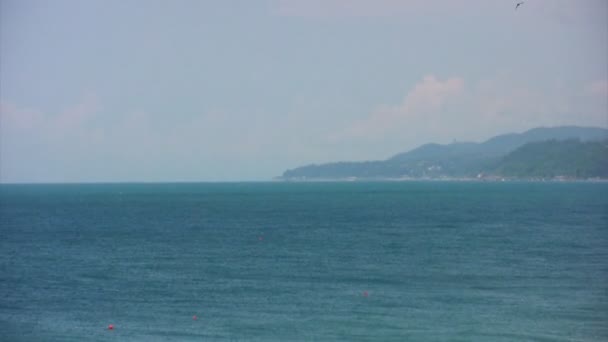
(111, 327)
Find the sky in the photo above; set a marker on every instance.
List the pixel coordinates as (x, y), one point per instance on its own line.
(202, 90)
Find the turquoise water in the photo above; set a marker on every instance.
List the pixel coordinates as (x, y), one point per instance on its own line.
(410, 261)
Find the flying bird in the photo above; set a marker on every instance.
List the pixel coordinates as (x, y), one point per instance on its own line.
(519, 4)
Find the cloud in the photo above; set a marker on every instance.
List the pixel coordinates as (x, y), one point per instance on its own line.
(21, 118)
(442, 110)
(78, 115)
(84, 142)
(598, 88)
(62, 124)
(33, 142)
(429, 96)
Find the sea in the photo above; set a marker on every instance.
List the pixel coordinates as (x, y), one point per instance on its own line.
(327, 261)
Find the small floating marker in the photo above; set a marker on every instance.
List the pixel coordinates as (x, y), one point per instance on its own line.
(261, 238)
(111, 327)
(194, 318)
(365, 294)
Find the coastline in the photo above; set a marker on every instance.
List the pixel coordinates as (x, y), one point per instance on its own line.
(559, 179)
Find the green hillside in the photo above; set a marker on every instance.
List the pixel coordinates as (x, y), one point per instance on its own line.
(548, 159)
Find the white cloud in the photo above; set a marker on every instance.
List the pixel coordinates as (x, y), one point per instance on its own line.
(441, 111)
(599, 88)
(22, 124)
(427, 97)
(85, 143)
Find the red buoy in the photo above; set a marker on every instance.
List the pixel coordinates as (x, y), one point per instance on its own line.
(365, 294)
(111, 327)
(194, 317)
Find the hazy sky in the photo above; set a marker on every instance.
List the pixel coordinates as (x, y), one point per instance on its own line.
(134, 90)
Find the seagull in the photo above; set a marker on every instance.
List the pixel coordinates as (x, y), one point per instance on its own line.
(519, 4)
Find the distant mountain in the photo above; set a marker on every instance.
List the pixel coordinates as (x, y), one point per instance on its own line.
(491, 157)
(505, 143)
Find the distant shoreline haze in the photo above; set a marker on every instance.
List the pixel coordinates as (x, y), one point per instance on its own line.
(558, 153)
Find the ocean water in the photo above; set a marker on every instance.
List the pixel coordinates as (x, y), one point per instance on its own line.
(393, 261)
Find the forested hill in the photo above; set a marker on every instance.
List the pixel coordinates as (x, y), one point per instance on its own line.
(554, 158)
(577, 152)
